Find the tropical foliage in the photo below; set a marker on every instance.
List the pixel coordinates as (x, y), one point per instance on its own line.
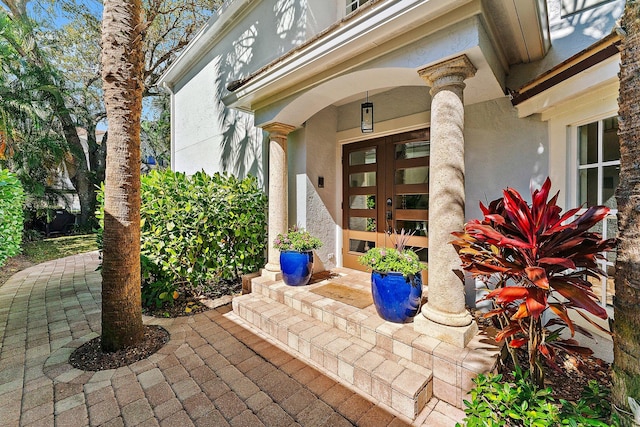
(11, 203)
(50, 89)
(540, 260)
(296, 239)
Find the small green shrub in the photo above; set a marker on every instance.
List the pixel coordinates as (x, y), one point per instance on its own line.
(11, 215)
(496, 402)
(197, 230)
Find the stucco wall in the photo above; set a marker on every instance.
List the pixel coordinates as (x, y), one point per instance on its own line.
(398, 102)
(207, 135)
(311, 154)
(502, 150)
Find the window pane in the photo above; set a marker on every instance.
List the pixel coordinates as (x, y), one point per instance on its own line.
(362, 202)
(362, 246)
(610, 144)
(610, 179)
(419, 175)
(588, 186)
(420, 227)
(588, 143)
(363, 157)
(362, 224)
(412, 150)
(412, 201)
(362, 179)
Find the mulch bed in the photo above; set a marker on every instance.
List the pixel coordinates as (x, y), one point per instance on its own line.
(568, 382)
(90, 357)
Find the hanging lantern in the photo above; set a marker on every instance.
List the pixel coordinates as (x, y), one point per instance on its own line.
(366, 116)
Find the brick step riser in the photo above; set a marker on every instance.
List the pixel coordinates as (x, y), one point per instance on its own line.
(375, 334)
(349, 358)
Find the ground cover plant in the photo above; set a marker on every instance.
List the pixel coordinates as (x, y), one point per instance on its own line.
(38, 251)
(539, 261)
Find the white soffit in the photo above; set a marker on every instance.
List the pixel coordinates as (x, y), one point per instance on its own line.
(522, 28)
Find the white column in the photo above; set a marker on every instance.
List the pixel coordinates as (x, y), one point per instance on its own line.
(445, 316)
(278, 198)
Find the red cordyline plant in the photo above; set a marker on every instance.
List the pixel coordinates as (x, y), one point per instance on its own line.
(540, 260)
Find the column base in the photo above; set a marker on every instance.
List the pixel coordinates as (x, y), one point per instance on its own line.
(270, 273)
(455, 335)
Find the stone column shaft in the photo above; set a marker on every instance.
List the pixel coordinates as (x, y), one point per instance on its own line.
(445, 315)
(278, 194)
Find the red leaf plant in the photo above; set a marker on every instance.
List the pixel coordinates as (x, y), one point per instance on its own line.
(540, 260)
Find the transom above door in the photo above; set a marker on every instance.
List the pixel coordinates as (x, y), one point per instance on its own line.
(385, 188)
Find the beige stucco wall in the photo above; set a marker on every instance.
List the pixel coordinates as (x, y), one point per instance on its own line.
(312, 154)
(502, 151)
(206, 135)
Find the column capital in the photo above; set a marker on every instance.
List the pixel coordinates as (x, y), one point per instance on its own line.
(278, 129)
(452, 71)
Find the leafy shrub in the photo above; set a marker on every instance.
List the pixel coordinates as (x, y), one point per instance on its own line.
(11, 215)
(496, 402)
(542, 261)
(197, 230)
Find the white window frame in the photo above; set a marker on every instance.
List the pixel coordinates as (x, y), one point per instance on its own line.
(575, 169)
(353, 5)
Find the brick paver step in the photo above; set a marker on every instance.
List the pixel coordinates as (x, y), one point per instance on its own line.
(361, 323)
(376, 371)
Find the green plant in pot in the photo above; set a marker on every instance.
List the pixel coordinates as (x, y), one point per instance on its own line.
(396, 279)
(296, 255)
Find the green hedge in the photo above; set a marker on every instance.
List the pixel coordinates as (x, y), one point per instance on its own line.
(196, 231)
(199, 229)
(11, 215)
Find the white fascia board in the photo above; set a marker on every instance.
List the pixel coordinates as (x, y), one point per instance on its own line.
(373, 27)
(588, 80)
(204, 40)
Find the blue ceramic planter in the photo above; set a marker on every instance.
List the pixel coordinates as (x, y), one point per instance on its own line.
(396, 297)
(296, 267)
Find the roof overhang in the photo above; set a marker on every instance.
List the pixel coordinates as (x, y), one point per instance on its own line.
(597, 65)
(521, 26)
(211, 33)
(373, 25)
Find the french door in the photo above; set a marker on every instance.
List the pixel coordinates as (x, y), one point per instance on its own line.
(385, 187)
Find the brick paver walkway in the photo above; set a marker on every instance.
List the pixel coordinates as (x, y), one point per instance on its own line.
(212, 372)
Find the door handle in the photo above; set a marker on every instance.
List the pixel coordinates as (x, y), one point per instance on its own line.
(389, 215)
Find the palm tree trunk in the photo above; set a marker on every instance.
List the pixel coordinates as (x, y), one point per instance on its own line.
(626, 368)
(122, 66)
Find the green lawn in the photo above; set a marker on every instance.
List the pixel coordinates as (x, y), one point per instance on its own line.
(60, 247)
